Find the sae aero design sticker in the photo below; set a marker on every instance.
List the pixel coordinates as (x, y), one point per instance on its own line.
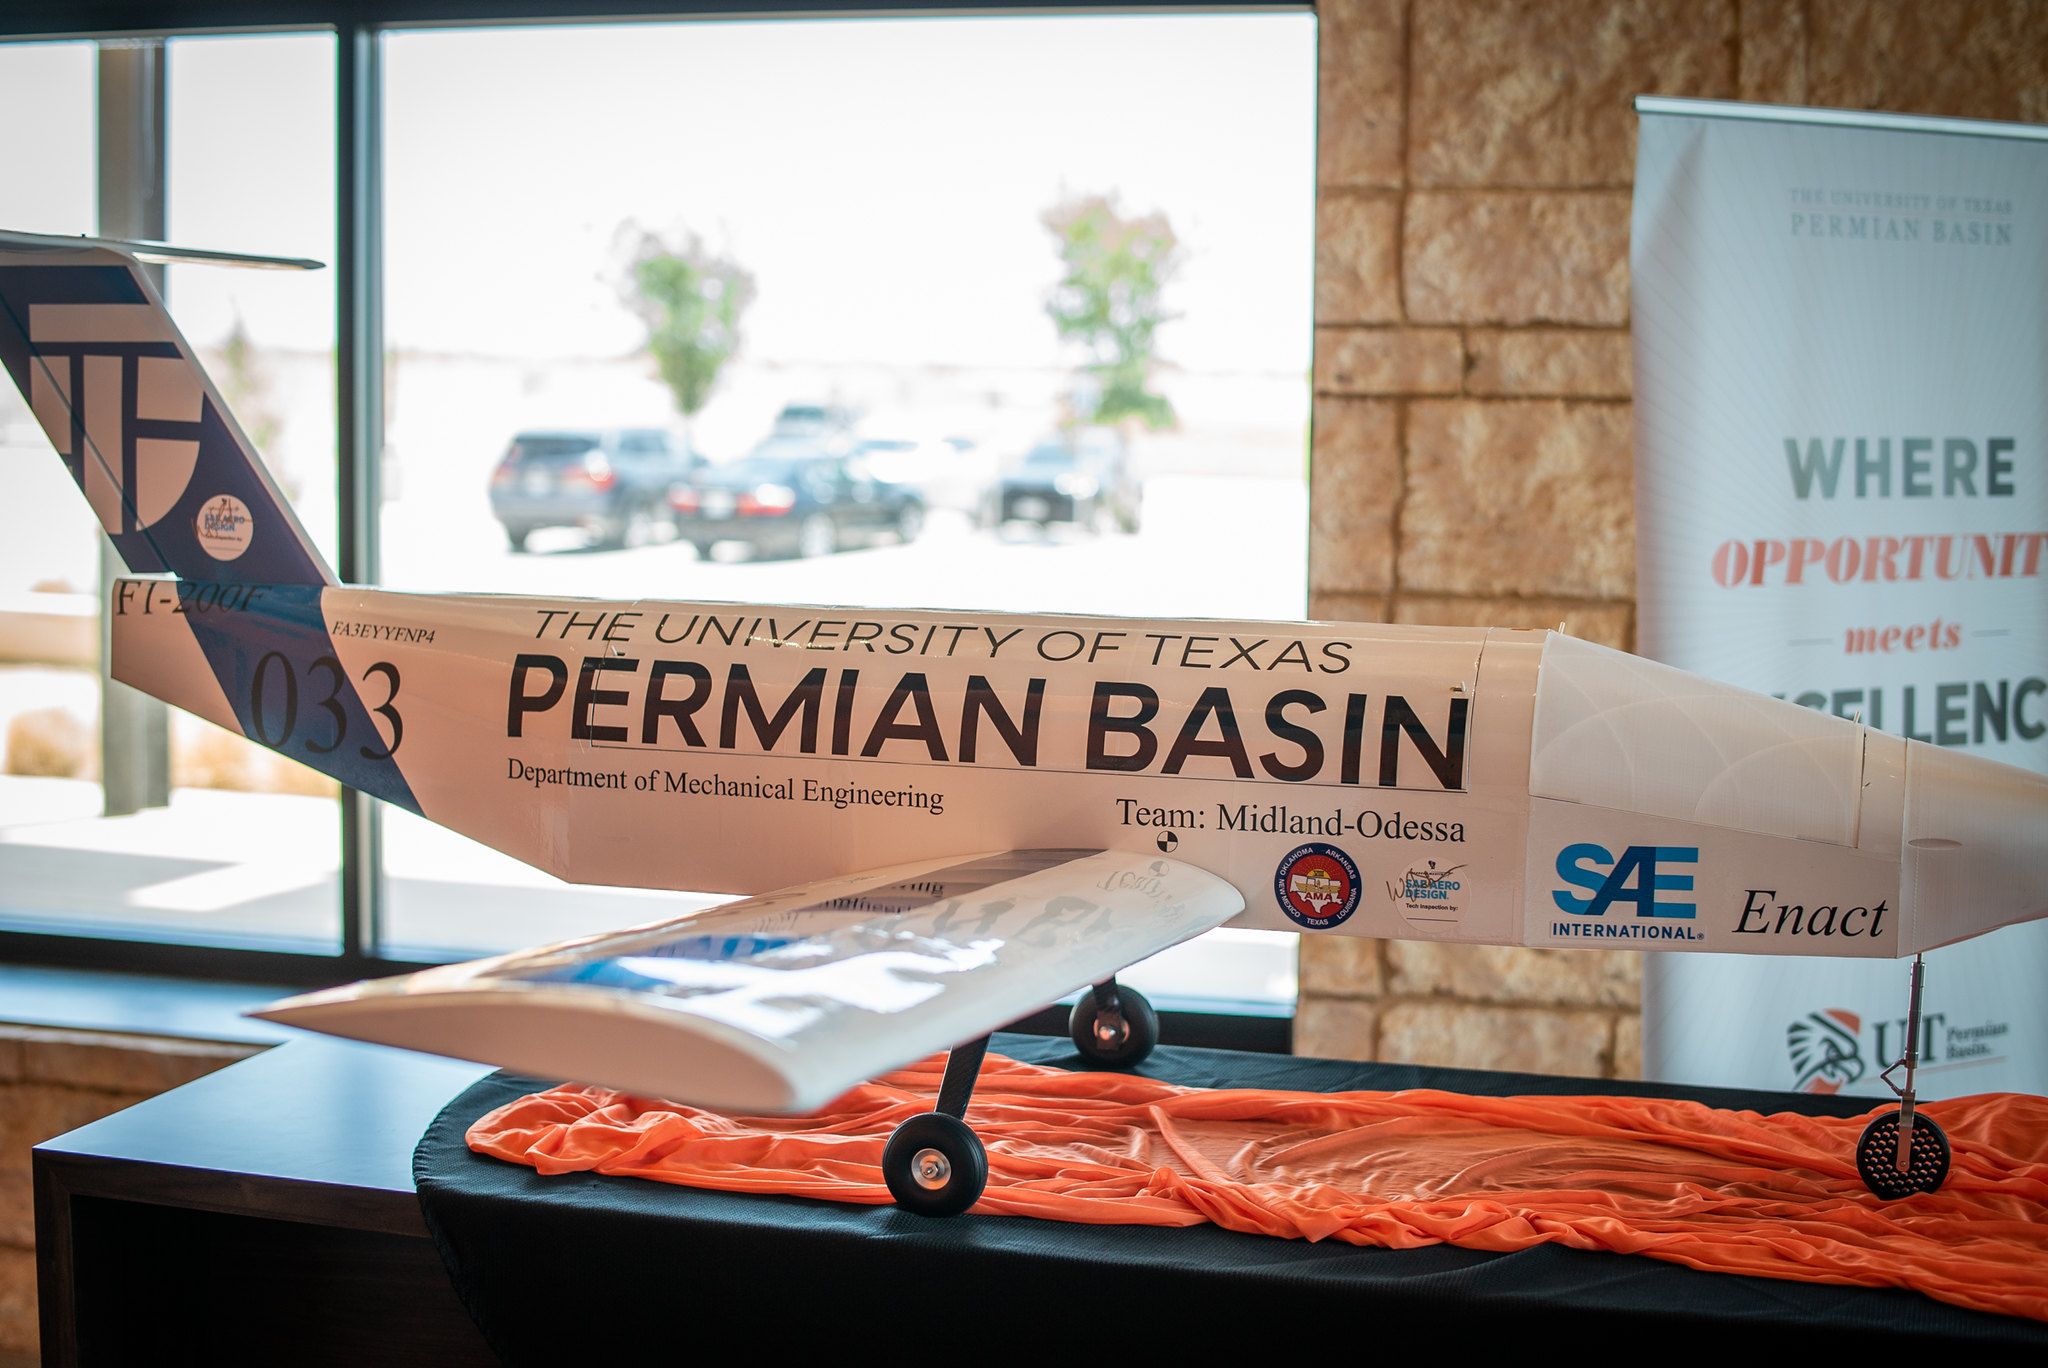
(1317, 885)
(225, 527)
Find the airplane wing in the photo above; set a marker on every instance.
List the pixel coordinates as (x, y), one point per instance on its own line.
(778, 1004)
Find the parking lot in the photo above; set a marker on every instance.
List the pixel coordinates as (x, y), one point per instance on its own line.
(1209, 546)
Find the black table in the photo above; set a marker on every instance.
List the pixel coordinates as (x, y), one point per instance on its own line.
(262, 1214)
(266, 1213)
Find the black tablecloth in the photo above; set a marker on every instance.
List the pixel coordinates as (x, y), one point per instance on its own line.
(583, 1269)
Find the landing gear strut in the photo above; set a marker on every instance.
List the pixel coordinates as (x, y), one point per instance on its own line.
(1113, 1025)
(1902, 1152)
(935, 1164)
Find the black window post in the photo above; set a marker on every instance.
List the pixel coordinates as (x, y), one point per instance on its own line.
(359, 421)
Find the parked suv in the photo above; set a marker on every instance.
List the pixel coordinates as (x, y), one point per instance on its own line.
(612, 483)
(795, 497)
(1083, 478)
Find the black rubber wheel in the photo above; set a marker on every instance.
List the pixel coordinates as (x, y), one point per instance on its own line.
(1877, 1151)
(935, 1165)
(1126, 1046)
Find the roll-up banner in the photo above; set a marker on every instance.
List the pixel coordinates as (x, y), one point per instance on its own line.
(1841, 408)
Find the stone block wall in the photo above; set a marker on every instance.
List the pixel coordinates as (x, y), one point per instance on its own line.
(52, 1082)
(1472, 459)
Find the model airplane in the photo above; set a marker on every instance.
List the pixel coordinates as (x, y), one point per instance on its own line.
(972, 815)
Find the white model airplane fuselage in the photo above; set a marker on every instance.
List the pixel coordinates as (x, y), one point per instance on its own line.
(1505, 787)
(1139, 782)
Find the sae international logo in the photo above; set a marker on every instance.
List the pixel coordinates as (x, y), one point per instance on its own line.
(1639, 877)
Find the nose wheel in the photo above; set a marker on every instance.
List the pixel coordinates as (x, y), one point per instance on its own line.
(1904, 1152)
(934, 1163)
(1877, 1153)
(1113, 1025)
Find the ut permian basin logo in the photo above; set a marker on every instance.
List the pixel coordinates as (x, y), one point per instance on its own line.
(1317, 886)
(1832, 1048)
(120, 404)
(1824, 1050)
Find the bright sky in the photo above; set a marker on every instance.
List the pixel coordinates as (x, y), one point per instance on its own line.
(881, 178)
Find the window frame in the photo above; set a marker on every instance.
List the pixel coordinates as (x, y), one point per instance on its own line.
(358, 27)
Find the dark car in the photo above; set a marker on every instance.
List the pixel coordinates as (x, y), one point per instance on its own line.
(793, 497)
(612, 483)
(829, 422)
(1083, 478)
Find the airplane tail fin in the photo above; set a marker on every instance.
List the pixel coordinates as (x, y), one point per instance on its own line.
(175, 481)
(179, 488)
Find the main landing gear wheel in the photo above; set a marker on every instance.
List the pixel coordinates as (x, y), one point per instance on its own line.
(1113, 1025)
(935, 1165)
(1877, 1156)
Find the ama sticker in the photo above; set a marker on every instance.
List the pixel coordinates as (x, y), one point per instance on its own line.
(1317, 886)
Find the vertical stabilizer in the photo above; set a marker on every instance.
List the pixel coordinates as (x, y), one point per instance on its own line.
(123, 399)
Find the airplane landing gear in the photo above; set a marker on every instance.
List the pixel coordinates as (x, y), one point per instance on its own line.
(1903, 1152)
(935, 1164)
(1113, 1025)
(1877, 1156)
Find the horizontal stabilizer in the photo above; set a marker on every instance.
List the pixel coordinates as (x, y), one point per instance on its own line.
(160, 253)
(780, 1003)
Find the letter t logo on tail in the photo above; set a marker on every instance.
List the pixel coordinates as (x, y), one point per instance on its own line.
(130, 411)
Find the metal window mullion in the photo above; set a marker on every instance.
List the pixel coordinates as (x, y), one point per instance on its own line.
(359, 396)
(135, 734)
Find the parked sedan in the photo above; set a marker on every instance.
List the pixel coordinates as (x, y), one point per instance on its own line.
(950, 475)
(1083, 478)
(792, 498)
(612, 483)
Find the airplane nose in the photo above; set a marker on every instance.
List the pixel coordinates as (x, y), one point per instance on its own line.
(1975, 851)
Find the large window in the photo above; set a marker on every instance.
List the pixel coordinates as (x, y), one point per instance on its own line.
(119, 816)
(901, 211)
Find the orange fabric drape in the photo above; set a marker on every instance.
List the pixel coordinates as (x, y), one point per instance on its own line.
(1773, 1196)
